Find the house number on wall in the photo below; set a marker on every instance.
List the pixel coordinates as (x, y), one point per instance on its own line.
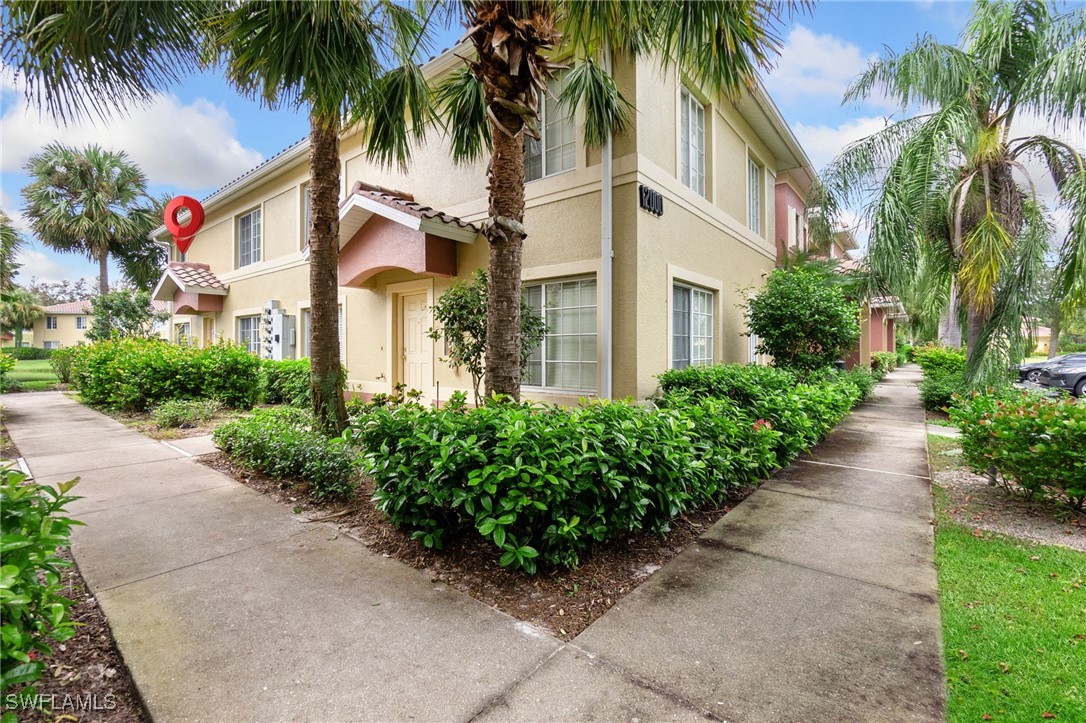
(651, 200)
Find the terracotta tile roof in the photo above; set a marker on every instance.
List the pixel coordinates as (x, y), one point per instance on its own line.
(405, 202)
(73, 307)
(193, 274)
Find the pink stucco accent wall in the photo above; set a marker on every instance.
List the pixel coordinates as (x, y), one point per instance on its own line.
(382, 244)
(785, 197)
(192, 303)
(882, 331)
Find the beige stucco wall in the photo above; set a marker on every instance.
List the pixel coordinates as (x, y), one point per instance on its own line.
(65, 333)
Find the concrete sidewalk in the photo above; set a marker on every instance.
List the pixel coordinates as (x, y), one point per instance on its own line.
(813, 600)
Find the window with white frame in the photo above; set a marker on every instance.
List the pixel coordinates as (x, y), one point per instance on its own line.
(307, 331)
(52, 345)
(801, 238)
(307, 324)
(50, 322)
(567, 356)
(752, 350)
(80, 322)
(754, 198)
(692, 142)
(182, 333)
(555, 151)
(249, 333)
(691, 326)
(249, 238)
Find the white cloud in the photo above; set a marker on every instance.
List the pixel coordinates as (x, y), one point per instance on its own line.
(35, 263)
(10, 206)
(185, 146)
(824, 143)
(816, 65)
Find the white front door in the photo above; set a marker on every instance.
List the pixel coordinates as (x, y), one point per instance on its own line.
(418, 364)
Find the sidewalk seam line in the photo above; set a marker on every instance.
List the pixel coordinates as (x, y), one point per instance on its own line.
(158, 499)
(863, 469)
(500, 696)
(110, 466)
(839, 502)
(177, 449)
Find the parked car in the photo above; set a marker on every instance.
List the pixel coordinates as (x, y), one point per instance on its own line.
(1031, 371)
(1067, 373)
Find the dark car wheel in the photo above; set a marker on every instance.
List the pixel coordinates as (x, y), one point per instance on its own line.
(1033, 375)
(1080, 388)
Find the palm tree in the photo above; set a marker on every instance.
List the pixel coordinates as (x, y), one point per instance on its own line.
(952, 209)
(90, 202)
(19, 310)
(91, 56)
(330, 58)
(491, 105)
(10, 244)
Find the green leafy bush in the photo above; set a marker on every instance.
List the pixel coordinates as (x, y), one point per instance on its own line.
(61, 361)
(286, 382)
(28, 353)
(284, 443)
(803, 319)
(904, 353)
(134, 374)
(184, 412)
(1036, 443)
(741, 384)
(34, 609)
(944, 374)
(547, 482)
(939, 359)
(7, 365)
(884, 361)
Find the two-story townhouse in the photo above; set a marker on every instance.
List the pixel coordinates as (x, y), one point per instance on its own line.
(637, 261)
(63, 325)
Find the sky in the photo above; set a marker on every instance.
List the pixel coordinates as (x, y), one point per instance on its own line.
(201, 134)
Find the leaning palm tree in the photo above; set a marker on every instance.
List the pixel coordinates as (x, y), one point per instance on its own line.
(491, 105)
(952, 208)
(19, 310)
(88, 201)
(331, 58)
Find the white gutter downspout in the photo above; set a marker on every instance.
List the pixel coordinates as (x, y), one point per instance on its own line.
(607, 252)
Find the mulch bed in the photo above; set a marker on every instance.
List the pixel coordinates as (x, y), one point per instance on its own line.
(560, 601)
(85, 678)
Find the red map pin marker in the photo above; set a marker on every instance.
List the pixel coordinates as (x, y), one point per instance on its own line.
(183, 235)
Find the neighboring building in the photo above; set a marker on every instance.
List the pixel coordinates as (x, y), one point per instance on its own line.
(1042, 337)
(693, 220)
(63, 325)
(7, 339)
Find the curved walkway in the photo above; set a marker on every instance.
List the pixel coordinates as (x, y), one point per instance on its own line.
(814, 600)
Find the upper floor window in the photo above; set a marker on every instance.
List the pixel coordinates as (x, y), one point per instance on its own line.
(692, 142)
(566, 358)
(754, 200)
(50, 322)
(249, 238)
(554, 152)
(249, 333)
(80, 322)
(691, 326)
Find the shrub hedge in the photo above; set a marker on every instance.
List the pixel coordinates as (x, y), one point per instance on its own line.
(134, 374)
(545, 482)
(184, 412)
(62, 361)
(285, 382)
(34, 610)
(284, 443)
(1037, 443)
(944, 370)
(883, 362)
(28, 353)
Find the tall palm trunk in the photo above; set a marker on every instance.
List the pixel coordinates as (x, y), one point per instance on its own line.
(1054, 334)
(103, 272)
(974, 325)
(324, 367)
(950, 328)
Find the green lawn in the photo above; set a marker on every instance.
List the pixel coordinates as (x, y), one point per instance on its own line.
(34, 374)
(1014, 625)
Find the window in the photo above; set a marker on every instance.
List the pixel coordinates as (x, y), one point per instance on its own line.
(249, 238)
(80, 322)
(692, 142)
(554, 152)
(249, 333)
(691, 327)
(50, 322)
(305, 216)
(566, 359)
(754, 200)
(52, 344)
(801, 238)
(182, 333)
(752, 351)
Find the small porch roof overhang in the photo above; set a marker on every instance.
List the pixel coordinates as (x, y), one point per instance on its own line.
(381, 229)
(192, 288)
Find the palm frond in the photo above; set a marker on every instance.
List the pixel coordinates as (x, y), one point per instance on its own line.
(927, 74)
(396, 112)
(623, 26)
(606, 111)
(461, 109)
(1071, 266)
